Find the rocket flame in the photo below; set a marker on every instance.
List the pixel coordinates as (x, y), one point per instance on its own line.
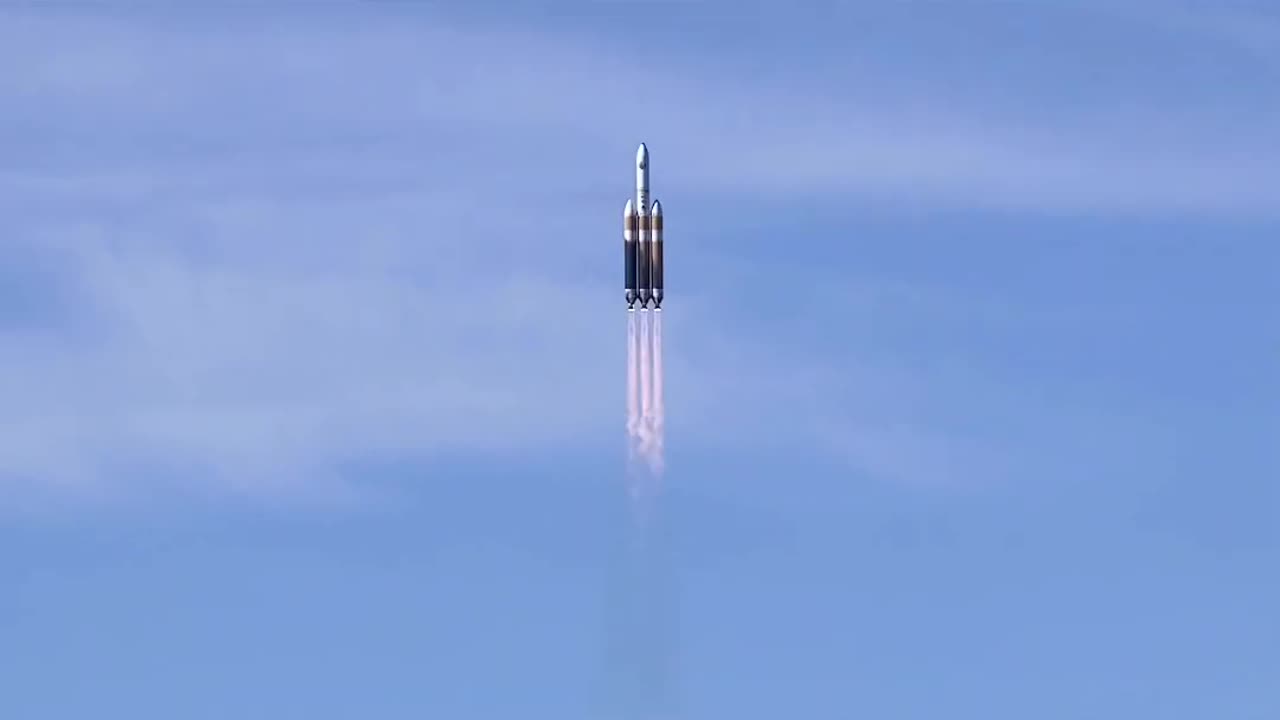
(645, 406)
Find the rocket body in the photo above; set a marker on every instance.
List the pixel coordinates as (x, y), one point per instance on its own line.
(629, 221)
(642, 241)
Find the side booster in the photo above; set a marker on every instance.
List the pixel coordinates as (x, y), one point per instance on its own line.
(642, 242)
(655, 254)
(629, 251)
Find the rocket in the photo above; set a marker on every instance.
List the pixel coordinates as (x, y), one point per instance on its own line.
(642, 241)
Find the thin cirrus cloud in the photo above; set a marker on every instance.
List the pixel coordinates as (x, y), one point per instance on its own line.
(269, 260)
(315, 83)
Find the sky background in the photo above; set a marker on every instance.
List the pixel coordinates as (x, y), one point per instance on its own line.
(312, 360)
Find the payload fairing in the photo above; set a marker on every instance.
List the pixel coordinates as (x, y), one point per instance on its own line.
(642, 241)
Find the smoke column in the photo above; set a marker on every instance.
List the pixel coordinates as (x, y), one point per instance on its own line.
(657, 460)
(645, 404)
(646, 385)
(633, 391)
(641, 641)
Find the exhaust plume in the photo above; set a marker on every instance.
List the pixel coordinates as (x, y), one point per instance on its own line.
(646, 385)
(641, 651)
(635, 409)
(657, 430)
(633, 390)
(645, 404)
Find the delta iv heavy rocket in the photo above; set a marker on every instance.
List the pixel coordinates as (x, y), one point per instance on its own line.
(642, 241)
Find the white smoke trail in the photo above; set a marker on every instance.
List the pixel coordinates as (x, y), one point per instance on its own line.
(657, 451)
(646, 386)
(635, 480)
(641, 653)
(646, 414)
(633, 389)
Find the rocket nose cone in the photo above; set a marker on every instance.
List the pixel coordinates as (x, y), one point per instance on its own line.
(642, 156)
(656, 211)
(629, 210)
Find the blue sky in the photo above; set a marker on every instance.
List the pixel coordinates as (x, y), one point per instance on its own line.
(312, 361)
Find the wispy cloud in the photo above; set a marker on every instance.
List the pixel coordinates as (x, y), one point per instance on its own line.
(538, 95)
(280, 245)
